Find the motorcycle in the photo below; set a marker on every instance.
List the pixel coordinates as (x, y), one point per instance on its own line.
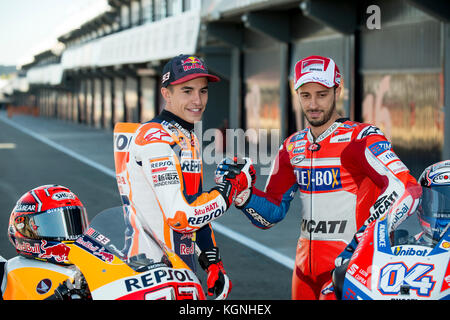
(99, 270)
(399, 265)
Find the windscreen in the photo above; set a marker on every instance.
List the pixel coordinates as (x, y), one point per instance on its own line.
(123, 235)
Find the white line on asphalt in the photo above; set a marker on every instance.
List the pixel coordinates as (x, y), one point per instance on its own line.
(255, 245)
(218, 227)
(7, 145)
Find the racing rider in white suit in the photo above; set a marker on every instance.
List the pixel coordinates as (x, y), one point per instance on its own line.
(163, 177)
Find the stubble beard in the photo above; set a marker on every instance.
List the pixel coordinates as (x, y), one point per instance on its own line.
(326, 118)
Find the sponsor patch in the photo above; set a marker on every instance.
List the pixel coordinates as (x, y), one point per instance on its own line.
(157, 135)
(312, 65)
(379, 147)
(446, 246)
(63, 195)
(207, 208)
(44, 286)
(27, 247)
(319, 179)
(397, 167)
(96, 249)
(186, 250)
(192, 165)
(331, 226)
(410, 251)
(161, 274)
(161, 165)
(297, 159)
(299, 150)
(23, 207)
(298, 136)
(382, 205)
(368, 131)
(187, 154)
(165, 178)
(206, 217)
(342, 137)
(441, 178)
(258, 218)
(300, 143)
(400, 214)
(192, 63)
(387, 156)
(59, 251)
(122, 141)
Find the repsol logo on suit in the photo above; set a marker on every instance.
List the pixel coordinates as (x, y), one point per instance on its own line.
(319, 179)
(191, 165)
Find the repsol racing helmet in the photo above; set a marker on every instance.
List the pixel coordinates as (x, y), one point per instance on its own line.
(44, 220)
(434, 210)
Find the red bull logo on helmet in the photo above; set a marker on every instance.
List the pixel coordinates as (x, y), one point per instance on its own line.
(192, 63)
(26, 247)
(59, 252)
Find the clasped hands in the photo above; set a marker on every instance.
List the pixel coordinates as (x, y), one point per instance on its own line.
(235, 177)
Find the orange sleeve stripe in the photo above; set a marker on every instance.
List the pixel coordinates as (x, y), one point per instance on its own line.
(167, 233)
(205, 198)
(213, 238)
(179, 221)
(120, 159)
(126, 127)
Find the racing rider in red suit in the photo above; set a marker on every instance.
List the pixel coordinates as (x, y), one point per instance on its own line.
(347, 175)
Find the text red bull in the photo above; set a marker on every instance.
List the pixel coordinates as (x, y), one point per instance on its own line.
(106, 256)
(192, 63)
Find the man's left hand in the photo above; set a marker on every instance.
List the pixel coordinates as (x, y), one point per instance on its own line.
(217, 280)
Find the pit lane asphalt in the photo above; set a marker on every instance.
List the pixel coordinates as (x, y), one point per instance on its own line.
(30, 163)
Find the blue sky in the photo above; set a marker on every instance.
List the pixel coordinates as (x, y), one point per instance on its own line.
(29, 26)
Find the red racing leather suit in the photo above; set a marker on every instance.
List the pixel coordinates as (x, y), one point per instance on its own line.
(159, 174)
(347, 177)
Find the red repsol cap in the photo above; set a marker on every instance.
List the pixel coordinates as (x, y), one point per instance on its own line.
(317, 69)
(183, 68)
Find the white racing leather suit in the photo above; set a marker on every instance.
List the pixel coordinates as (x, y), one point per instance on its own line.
(159, 174)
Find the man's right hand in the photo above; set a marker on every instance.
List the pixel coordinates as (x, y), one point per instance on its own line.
(238, 176)
(240, 172)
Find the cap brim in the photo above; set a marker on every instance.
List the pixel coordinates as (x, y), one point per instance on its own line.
(298, 85)
(188, 77)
